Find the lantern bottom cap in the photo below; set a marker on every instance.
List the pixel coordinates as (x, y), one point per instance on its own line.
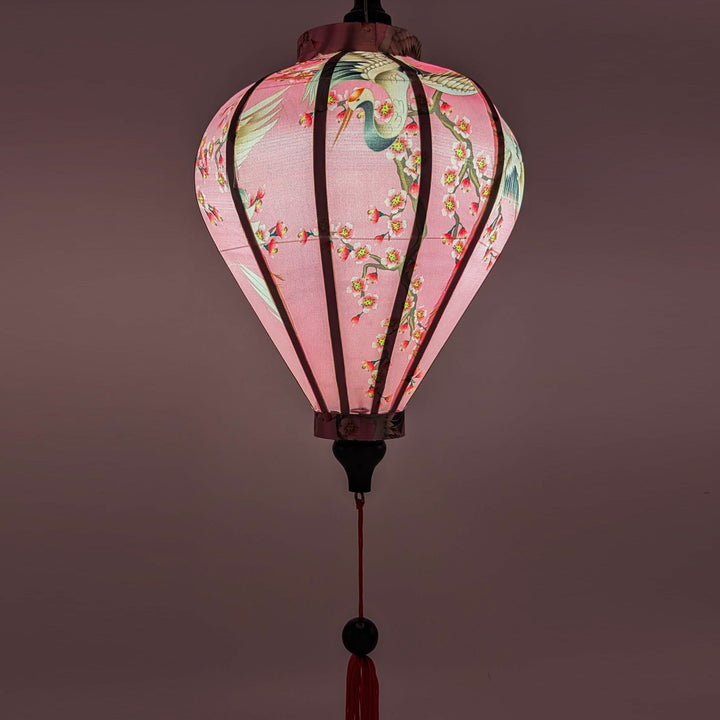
(359, 426)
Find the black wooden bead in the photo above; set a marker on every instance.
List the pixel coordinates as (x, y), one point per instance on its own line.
(360, 636)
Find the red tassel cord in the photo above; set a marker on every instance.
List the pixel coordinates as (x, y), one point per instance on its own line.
(362, 696)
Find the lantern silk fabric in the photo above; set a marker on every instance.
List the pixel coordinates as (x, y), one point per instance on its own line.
(360, 198)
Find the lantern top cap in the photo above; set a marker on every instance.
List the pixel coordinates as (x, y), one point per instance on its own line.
(366, 37)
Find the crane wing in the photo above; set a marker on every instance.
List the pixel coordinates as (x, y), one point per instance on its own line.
(254, 124)
(449, 82)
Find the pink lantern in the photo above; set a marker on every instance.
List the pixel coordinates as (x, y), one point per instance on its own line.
(359, 197)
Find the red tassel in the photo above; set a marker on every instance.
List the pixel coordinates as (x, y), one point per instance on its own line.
(362, 697)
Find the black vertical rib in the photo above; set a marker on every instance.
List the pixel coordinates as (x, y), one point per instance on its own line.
(257, 251)
(474, 238)
(416, 235)
(323, 218)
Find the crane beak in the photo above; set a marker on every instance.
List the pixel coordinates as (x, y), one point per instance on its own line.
(345, 122)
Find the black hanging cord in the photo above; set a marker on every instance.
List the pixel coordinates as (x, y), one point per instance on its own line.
(368, 11)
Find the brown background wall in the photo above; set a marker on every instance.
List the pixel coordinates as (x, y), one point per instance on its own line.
(176, 545)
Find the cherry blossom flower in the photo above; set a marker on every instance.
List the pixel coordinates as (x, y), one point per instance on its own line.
(306, 119)
(398, 147)
(373, 214)
(412, 128)
(384, 110)
(462, 233)
(368, 302)
(303, 235)
(449, 177)
(474, 207)
(417, 282)
(482, 163)
(414, 189)
(445, 108)
(356, 286)
(396, 200)
(457, 249)
(355, 319)
(371, 277)
(404, 344)
(261, 233)
(447, 237)
(344, 252)
(404, 327)
(465, 184)
(344, 230)
(449, 206)
(341, 115)
(421, 314)
(408, 302)
(413, 163)
(485, 192)
(271, 246)
(396, 226)
(362, 252)
(368, 365)
(462, 125)
(379, 342)
(256, 200)
(459, 153)
(280, 229)
(392, 258)
(332, 98)
(418, 334)
(379, 238)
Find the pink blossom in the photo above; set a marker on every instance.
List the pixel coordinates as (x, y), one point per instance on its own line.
(356, 286)
(414, 189)
(345, 231)
(368, 302)
(449, 206)
(384, 110)
(343, 252)
(465, 184)
(460, 153)
(306, 119)
(411, 128)
(396, 200)
(450, 176)
(374, 214)
(474, 207)
(392, 258)
(458, 249)
(462, 125)
(445, 108)
(398, 147)
(362, 253)
(396, 226)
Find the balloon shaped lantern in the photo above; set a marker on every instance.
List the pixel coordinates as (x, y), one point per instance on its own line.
(360, 198)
